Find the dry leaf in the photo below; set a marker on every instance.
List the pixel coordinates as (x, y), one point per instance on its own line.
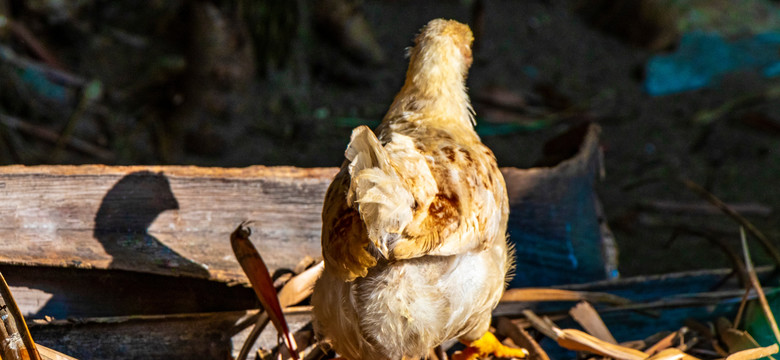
(585, 315)
(672, 354)
(260, 324)
(304, 264)
(300, 286)
(755, 353)
(540, 325)
(580, 341)
(547, 294)
(734, 339)
(522, 339)
(254, 268)
(757, 286)
(662, 344)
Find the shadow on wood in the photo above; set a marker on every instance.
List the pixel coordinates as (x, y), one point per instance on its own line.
(64, 293)
(123, 219)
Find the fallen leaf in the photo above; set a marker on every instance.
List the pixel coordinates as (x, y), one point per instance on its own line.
(521, 338)
(300, 286)
(255, 269)
(585, 315)
(756, 353)
(672, 354)
(662, 344)
(576, 340)
(547, 294)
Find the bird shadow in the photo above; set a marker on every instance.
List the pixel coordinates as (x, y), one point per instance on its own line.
(123, 220)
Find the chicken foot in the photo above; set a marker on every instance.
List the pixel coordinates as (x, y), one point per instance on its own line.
(486, 345)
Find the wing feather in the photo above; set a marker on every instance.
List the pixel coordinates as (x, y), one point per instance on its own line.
(405, 200)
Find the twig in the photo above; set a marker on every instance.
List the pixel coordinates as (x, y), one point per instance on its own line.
(686, 300)
(742, 304)
(6, 137)
(739, 266)
(696, 188)
(708, 116)
(702, 208)
(58, 76)
(757, 286)
(52, 137)
(261, 323)
(662, 344)
(539, 324)
(32, 42)
(18, 318)
(521, 338)
(89, 93)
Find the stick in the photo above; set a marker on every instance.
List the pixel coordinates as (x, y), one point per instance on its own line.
(757, 285)
(58, 76)
(34, 44)
(89, 93)
(696, 188)
(261, 323)
(16, 314)
(52, 137)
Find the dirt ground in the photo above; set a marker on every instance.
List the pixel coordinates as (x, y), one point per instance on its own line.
(526, 47)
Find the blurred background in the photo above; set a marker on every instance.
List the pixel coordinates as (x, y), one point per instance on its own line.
(681, 88)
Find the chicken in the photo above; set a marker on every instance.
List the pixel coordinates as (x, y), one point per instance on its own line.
(414, 224)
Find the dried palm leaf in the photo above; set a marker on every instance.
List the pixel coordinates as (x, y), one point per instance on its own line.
(257, 273)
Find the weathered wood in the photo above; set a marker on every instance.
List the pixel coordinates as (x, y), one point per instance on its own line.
(184, 336)
(163, 220)
(63, 293)
(176, 220)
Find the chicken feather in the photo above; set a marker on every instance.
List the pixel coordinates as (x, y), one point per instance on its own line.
(414, 224)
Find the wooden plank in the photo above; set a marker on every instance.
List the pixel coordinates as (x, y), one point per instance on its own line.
(176, 220)
(215, 336)
(62, 293)
(164, 220)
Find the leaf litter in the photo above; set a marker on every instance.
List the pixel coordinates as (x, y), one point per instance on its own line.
(522, 327)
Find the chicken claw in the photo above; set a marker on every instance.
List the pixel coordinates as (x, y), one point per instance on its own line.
(487, 345)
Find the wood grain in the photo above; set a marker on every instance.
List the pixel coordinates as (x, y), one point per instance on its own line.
(216, 335)
(163, 220)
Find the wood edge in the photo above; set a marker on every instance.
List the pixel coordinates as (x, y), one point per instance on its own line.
(237, 314)
(142, 318)
(254, 171)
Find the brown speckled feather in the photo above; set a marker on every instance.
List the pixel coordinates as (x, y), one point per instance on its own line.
(414, 224)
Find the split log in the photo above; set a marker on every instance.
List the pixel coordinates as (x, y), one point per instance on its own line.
(161, 220)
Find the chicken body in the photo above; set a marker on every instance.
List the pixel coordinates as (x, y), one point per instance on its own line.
(414, 224)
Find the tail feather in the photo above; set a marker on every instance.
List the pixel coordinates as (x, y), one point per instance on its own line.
(377, 191)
